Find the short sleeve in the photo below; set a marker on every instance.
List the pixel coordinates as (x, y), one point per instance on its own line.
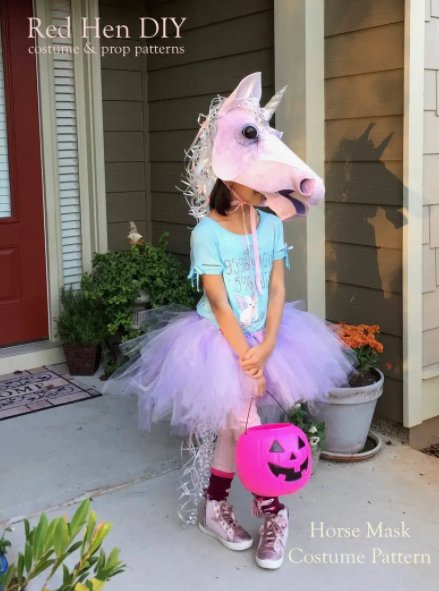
(205, 256)
(281, 248)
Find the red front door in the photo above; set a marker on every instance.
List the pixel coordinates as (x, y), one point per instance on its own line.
(23, 290)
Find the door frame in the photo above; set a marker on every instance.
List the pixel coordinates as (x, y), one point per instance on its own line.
(88, 92)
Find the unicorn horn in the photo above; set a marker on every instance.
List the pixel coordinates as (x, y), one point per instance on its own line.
(272, 104)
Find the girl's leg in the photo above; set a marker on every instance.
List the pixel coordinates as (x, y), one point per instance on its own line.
(223, 466)
(249, 417)
(216, 517)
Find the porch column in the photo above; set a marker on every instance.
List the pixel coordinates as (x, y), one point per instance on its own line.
(299, 62)
(413, 412)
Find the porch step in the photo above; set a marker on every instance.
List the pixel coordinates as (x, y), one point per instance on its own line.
(45, 344)
(30, 355)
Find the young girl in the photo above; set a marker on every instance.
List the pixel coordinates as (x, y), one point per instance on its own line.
(243, 347)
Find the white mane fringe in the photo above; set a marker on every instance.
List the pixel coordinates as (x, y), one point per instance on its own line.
(198, 177)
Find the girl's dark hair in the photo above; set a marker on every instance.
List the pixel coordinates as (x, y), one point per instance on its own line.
(220, 197)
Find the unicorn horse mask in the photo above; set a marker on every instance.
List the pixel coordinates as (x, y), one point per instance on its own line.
(236, 143)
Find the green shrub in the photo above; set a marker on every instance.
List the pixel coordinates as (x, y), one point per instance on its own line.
(118, 276)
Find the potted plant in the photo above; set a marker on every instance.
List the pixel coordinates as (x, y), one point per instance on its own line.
(81, 328)
(315, 431)
(4, 545)
(48, 549)
(348, 411)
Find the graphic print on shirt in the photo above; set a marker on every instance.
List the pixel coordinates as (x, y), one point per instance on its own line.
(239, 276)
(248, 309)
(215, 251)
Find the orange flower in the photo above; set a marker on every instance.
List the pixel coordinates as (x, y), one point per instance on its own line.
(360, 335)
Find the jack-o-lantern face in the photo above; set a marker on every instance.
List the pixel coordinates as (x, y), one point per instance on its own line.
(274, 459)
(290, 472)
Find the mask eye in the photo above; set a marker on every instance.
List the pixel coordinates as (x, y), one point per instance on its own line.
(276, 446)
(301, 443)
(250, 132)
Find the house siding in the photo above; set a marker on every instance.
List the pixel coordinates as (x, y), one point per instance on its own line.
(364, 53)
(125, 127)
(220, 47)
(151, 105)
(430, 241)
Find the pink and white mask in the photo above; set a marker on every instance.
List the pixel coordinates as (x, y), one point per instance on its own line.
(236, 143)
(250, 152)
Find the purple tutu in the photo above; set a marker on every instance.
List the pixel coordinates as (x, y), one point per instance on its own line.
(187, 372)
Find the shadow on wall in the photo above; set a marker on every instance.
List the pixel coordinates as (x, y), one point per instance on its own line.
(364, 218)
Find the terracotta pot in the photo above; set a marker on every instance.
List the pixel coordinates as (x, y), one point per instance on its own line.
(348, 414)
(82, 360)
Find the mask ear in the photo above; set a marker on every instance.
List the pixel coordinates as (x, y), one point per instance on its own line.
(249, 87)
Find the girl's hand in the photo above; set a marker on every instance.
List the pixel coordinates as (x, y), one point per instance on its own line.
(258, 376)
(256, 357)
(254, 372)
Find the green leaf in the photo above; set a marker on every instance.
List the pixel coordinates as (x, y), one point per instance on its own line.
(97, 585)
(40, 536)
(41, 566)
(26, 527)
(20, 567)
(7, 577)
(73, 548)
(28, 556)
(113, 558)
(48, 543)
(100, 534)
(61, 537)
(79, 518)
(67, 577)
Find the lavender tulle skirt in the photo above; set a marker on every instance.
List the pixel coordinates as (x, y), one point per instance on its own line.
(187, 373)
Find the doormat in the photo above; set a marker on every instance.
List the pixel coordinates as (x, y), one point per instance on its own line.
(37, 389)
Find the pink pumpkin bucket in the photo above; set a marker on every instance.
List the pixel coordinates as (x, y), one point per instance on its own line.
(274, 459)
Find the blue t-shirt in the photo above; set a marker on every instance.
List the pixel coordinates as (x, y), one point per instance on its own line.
(218, 251)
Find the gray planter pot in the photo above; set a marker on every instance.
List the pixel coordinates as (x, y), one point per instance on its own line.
(315, 450)
(348, 415)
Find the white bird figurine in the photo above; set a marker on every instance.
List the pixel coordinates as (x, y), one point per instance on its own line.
(134, 236)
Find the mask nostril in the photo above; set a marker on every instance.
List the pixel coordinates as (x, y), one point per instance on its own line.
(306, 186)
(293, 456)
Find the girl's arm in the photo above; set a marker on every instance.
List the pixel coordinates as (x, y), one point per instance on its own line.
(276, 300)
(257, 356)
(217, 295)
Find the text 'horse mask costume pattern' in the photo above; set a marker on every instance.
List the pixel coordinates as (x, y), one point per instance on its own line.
(235, 142)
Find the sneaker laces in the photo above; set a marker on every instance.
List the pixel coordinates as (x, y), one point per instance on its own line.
(271, 530)
(258, 506)
(227, 513)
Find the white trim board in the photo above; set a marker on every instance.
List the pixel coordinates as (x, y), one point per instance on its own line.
(414, 33)
(90, 150)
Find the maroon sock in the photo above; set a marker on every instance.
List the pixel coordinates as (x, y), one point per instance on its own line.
(219, 485)
(274, 507)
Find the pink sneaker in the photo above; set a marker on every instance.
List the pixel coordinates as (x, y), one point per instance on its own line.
(218, 520)
(273, 538)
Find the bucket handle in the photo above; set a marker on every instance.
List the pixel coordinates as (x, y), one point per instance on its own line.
(250, 405)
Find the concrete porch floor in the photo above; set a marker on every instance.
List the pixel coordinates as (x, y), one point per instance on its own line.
(52, 459)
